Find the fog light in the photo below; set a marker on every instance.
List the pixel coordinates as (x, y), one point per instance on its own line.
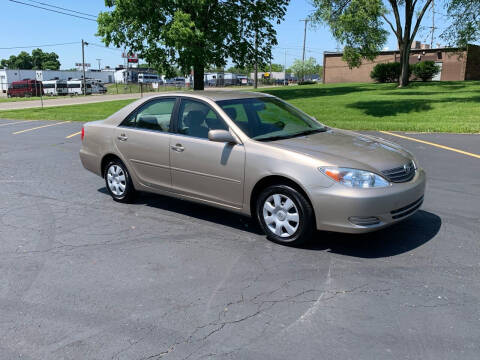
(364, 220)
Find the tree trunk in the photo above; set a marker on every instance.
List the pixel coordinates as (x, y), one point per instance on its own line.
(198, 77)
(405, 65)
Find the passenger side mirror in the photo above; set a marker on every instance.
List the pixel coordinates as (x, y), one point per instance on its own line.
(221, 136)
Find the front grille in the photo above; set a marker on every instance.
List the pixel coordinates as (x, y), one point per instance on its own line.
(400, 174)
(406, 210)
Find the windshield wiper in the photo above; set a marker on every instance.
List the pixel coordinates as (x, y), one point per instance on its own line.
(278, 137)
(283, 137)
(313, 131)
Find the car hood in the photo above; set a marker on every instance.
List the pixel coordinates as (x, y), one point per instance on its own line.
(348, 149)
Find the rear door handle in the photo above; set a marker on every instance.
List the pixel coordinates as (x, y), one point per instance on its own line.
(177, 148)
(122, 137)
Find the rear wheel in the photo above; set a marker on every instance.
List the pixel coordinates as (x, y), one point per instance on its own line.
(118, 182)
(285, 215)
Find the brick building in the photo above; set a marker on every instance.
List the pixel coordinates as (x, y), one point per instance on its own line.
(456, 64)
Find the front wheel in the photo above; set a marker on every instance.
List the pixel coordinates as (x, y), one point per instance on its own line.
(285, 215)
(118, 182)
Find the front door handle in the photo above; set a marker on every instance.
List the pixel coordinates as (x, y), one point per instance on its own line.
(177, 148)
(122, 137)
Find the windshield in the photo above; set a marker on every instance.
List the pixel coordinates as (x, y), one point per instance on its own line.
(268, 119)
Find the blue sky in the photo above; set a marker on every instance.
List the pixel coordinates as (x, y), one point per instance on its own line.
(26, 26)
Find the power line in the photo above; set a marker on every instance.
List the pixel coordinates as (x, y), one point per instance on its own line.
(56, 11)
(37, 46)
(105, 47)
(61, 8)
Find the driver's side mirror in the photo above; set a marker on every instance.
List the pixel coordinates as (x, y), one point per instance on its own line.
(221, 136)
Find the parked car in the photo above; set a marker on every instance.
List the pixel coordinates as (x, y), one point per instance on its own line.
(25, 88)
(256, 155)
(96, 86)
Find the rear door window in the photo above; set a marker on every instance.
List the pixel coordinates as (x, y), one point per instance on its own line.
(155, 115)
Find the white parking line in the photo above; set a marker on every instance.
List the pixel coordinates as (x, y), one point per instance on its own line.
(39, 127)
(18, 122)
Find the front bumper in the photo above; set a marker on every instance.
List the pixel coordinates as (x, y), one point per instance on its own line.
(341, 209)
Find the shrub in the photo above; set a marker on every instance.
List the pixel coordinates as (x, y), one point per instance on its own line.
(387, 72)
(426, 70)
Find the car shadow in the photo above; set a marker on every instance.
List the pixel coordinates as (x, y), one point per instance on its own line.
(195, 210)
(400, 238)
(397, 239)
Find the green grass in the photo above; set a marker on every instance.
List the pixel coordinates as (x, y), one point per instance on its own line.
(83, 112)
(113, 89)
(423, 107)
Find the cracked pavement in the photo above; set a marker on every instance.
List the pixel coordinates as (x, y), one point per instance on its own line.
(84, 277)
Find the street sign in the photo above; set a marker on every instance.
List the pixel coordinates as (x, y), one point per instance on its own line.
(81, 65)
(132, 60)
(129, 55)
(39, 75)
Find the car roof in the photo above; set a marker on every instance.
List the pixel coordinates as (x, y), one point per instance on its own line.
(216, 95)
(213, 95)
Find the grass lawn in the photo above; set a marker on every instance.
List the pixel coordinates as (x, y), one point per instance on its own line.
(113, 89)
(83, 112)
(423, 107)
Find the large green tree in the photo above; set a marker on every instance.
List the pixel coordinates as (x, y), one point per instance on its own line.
(21, 61)
(38, 60)
(464, 18)
(193, 34)
(360, 25)
(45, 60)
(305, 69)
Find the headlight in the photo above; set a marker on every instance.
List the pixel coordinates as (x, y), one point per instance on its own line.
(355, 178)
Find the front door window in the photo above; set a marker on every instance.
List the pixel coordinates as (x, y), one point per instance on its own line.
(196, 119)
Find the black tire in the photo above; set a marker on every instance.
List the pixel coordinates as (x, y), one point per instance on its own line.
(129, 193)
(306, 223)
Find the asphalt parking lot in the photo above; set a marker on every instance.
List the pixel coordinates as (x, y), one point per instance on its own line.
(83, 277)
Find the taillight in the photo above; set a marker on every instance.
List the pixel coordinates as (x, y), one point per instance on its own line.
(83, 133)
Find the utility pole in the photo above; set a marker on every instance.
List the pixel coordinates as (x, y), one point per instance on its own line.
(433, 24)
(304, 41)
(255, 83)
(285, 69)
(99, 61)
(83, 66)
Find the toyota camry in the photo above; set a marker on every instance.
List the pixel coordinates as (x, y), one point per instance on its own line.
(256, 155)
